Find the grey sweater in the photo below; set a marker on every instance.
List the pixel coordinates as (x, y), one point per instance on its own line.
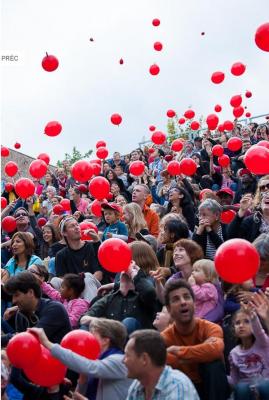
(112, 373)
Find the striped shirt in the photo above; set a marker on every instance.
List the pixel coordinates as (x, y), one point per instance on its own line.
(210, 247)
(172, 385)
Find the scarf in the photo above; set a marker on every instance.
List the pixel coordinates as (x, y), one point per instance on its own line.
(93, 382)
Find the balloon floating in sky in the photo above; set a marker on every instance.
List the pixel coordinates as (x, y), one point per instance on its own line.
(181, 121)
(188, 166)
(212, 121)
(121, 61)
(44, 157)
(53, 128)
(156, 22)
(228, 125)
(17, 145)
(236, 100)
(158, 137)
(100, 143)
(217, 77)
(116, 119)
(91, 39)
(154, 69)
(248, 114)
(262, 37)
(248, 94)
(177, 145)
(152, 128)
(38, 168)
(11, 168)
(195, 125)
(50, 63)
(4, 151)
(238, 111)
(102, 153)
(173, 168)
(158, 46)
(82, 171)
(238, 68)
(24, 188)
(189, 114)
(202, 33)
(257, 160)
(218, 108)
(170, 113)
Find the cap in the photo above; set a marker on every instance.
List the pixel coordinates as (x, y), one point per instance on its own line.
(149, 239)
(227, 191)
(244, 171)
(111, 206)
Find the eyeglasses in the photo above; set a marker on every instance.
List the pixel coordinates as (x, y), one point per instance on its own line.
(21, 215)
(34, 272)
(264, 187)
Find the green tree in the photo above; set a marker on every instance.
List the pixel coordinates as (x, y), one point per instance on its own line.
(74, 156)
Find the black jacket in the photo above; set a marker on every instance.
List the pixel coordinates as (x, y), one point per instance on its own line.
(215, 239)
(245, 228)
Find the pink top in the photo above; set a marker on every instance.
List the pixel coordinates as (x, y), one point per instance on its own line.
(206, 298)
(75, 308)
(38, 189)
(82, 206)
(253, 363)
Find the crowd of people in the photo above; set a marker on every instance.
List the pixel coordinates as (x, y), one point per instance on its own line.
(169, 327)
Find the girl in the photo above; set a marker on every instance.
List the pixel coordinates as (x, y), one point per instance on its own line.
(115, 228)
(249, 361)
(180, 202)
(135, 221)
(71, 288)
(202, 281)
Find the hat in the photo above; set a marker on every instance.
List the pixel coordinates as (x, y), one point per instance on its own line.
(111, 206)
(244, 171)
(225, 190)
(149, 239)
(198, 139)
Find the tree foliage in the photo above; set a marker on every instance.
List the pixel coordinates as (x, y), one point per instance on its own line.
(74, 156)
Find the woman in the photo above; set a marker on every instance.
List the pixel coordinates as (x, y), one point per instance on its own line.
(22, 246)
(250, 227)
(164, 186)
(102, 379)
(112, 177)
(180, 203)
(202, 167)
(262, 246)
(211, 233)
(135, 221)
(50, 180)
(121, 200)
(263, 187)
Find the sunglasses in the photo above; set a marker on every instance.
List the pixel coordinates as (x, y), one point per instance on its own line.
(21, 215)
(264, 187)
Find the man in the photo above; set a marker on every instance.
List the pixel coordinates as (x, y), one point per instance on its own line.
(194, 345)
(139, 196)
(78, 256)
(145, 357)
(121, 175)
(225, 196)
(158, 165)
(117, 160)
(197, 144)
(188, 149)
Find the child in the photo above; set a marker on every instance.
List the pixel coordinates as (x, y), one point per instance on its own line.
(115, 228)
(71, 288)
(249, 360)
(236, 293)
(202, 282)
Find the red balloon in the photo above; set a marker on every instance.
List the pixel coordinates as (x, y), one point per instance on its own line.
(154, 69)
(263, 143)
(58, 209)
(110, 196)
(257, 160)
(53, 128)
(217, 150)
(24, 188)
(23, 350)
(204, 192)
(195, 125)
(97, 161)
(151, 150)
(96, 208)
(158, 137)
(221, 128)
(9, 187)
(121, 61)
(224, 160)
(262, 37)
(4, 151)
(236, 100)
(188, 166)
(82, 171)
(177, 145)
(50, 63)
(189, 114)
(228, 125)
(96, 169)
(11, 168)
(238, 111)
(158, 46)
(218, 108)
(168, 157)
(114, 255)
(116, 119)
(234, 144)
(212, 121)
(217, 77)
(84, 226)
(65, 203)
(227, 217)
(83, 188)
(41, 222)
(102, 153)
(170, 113)
(248, 114)
(137, 168)
(181, 121)
(17, 145)
(237, 261)
(152, 128)
(173, 168)
(38, 168)
(100, 143)
(3, 202)
(99, 187)
(82, 343)
(238, 69)
(9, 224)
(47, 371)
(44, 157)
(156, 22)
(248, 94)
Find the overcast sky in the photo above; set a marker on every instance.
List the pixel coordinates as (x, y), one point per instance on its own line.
(90, 84)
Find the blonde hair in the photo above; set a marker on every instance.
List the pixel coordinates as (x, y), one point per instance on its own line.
(208, 268)
(257, 198)
(144, 256)
(137, 221)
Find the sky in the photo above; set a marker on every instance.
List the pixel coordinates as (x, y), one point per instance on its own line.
(90, 84)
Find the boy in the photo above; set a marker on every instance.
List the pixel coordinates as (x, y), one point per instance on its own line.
(115, 228)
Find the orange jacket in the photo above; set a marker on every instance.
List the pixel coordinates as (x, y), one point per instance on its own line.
(152, 220)
(194, 347)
